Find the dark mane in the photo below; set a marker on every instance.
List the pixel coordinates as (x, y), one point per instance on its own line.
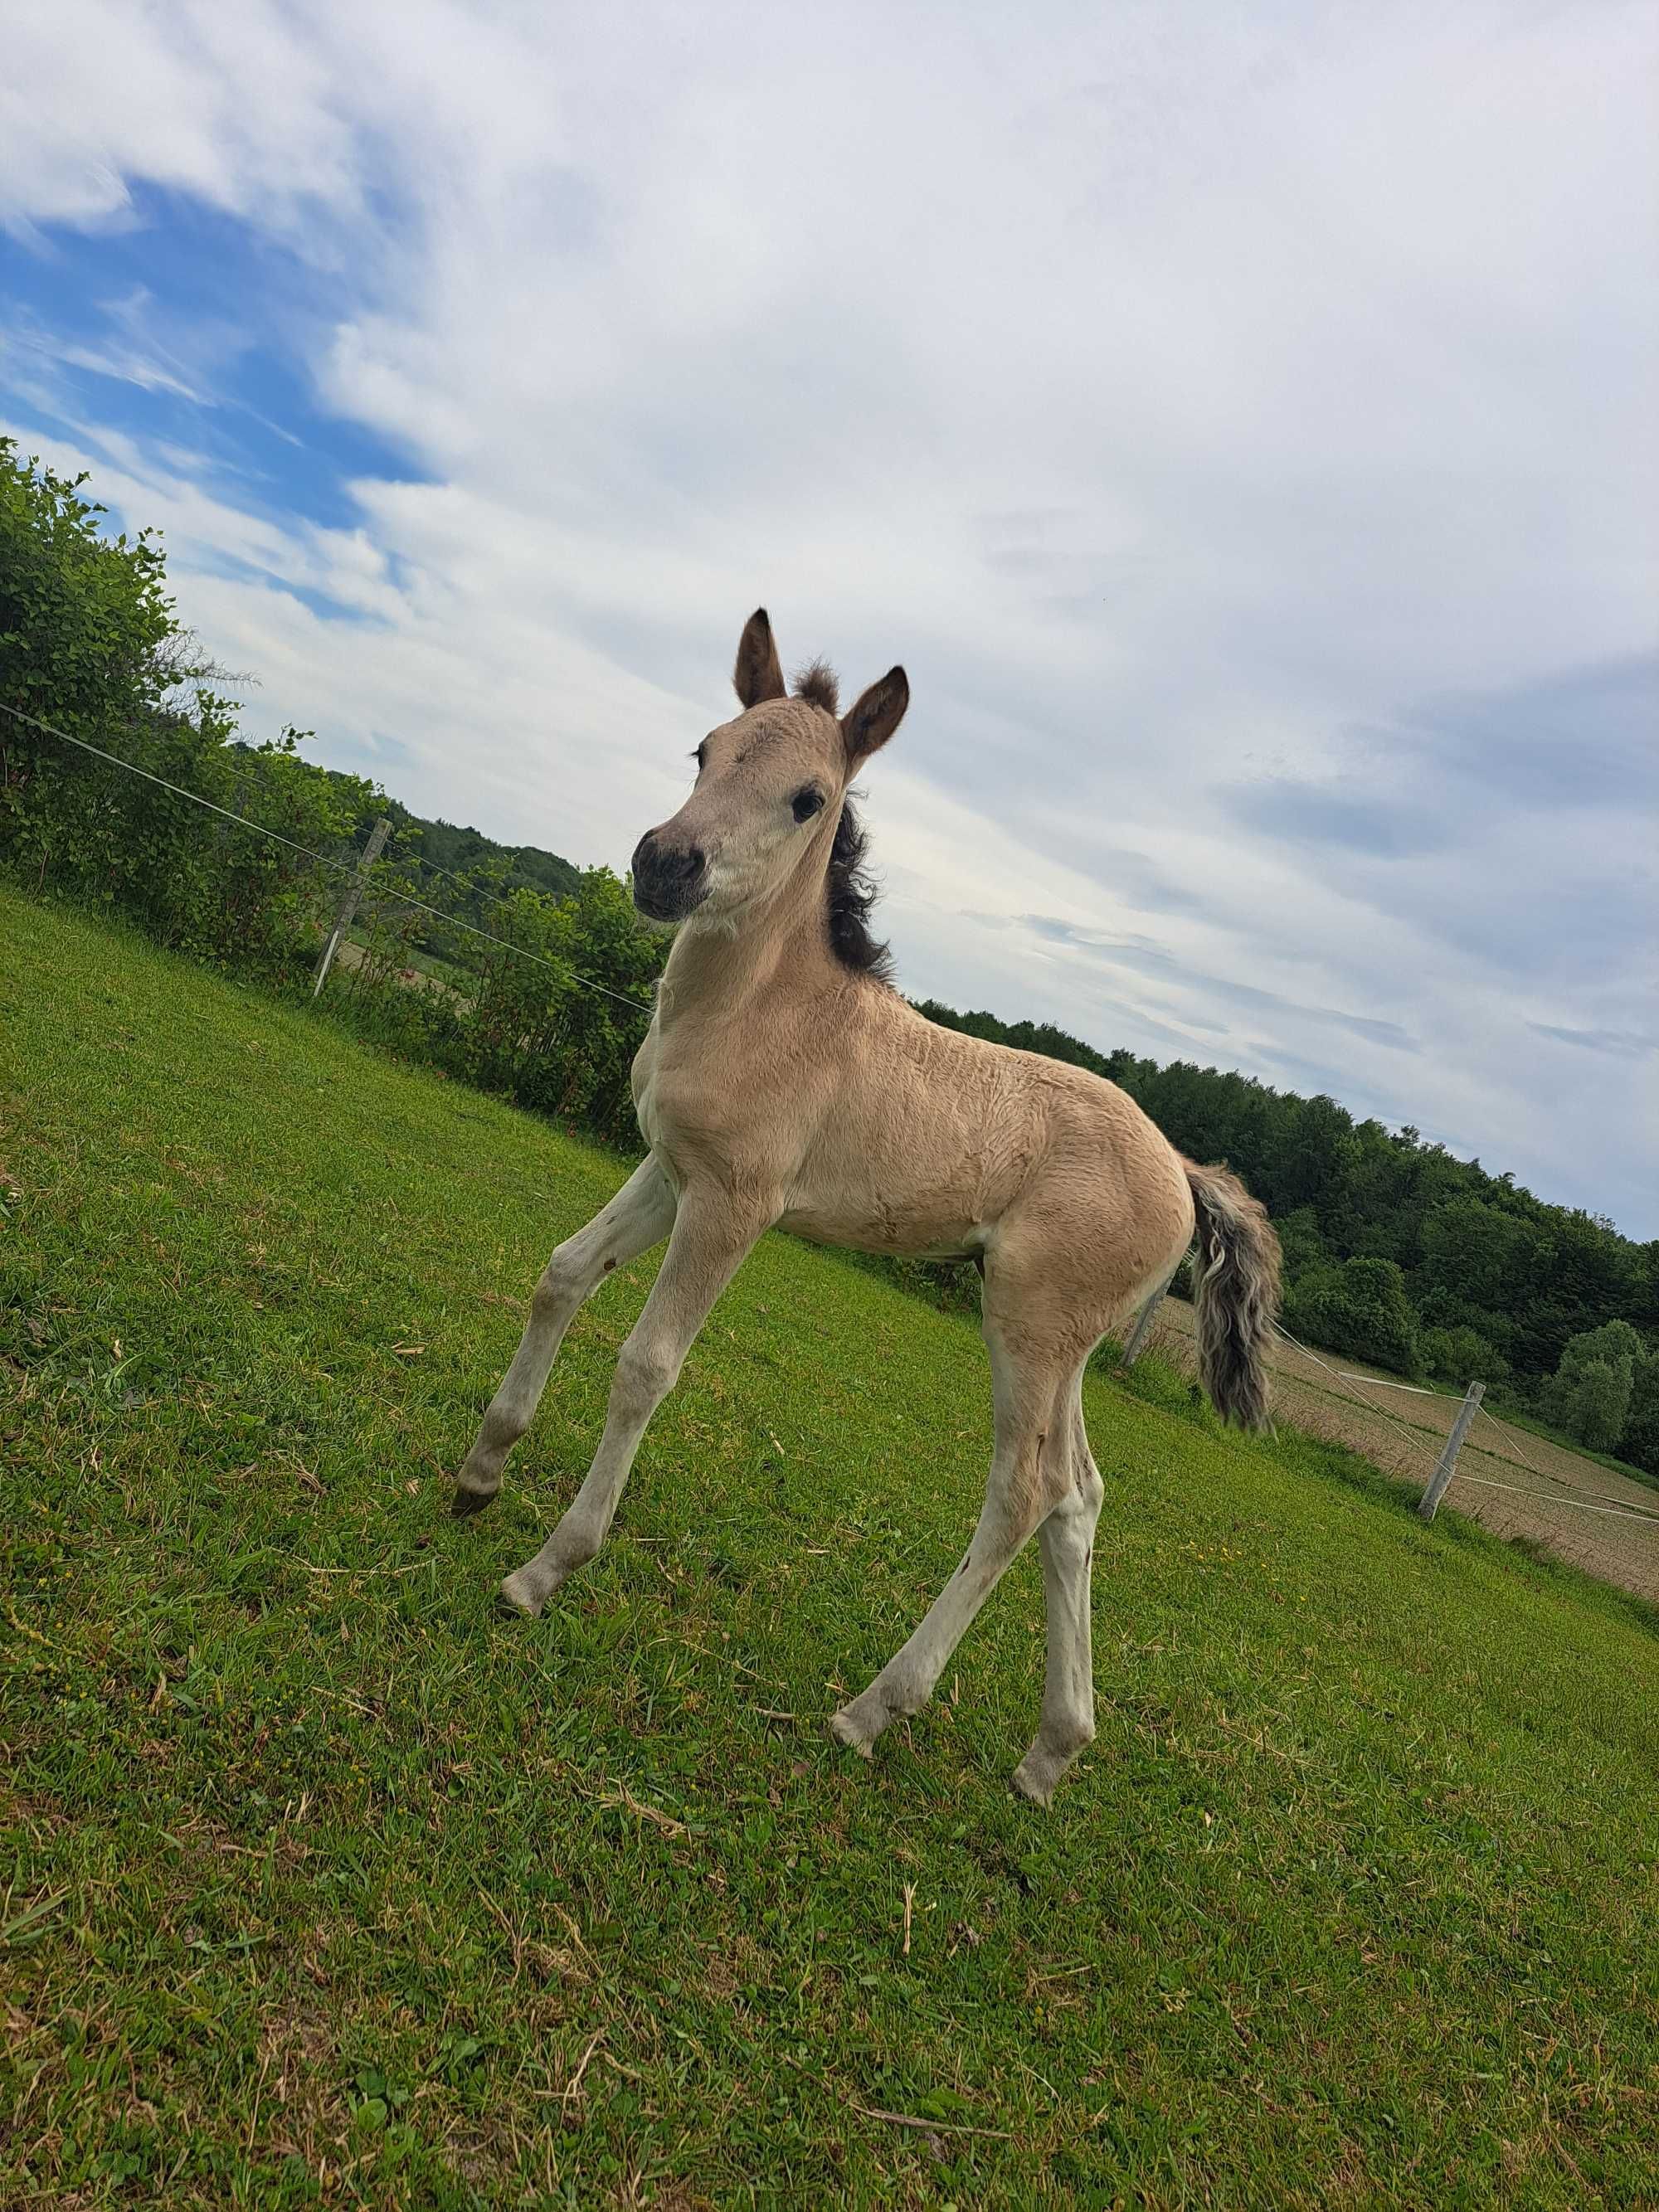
(851, 893)
(817, 684)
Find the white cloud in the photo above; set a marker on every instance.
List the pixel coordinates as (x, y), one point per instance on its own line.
(1177, 396)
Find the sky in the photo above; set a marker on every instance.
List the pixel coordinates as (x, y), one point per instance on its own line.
(1240, 424)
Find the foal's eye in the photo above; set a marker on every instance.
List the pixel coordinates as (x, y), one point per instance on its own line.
(701, 755)
(806, 803)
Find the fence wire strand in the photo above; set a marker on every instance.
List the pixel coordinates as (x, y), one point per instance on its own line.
(339, 867)
(1584, 1505)
(1619, 1505)
(1413, 1437)
(1419, 1443)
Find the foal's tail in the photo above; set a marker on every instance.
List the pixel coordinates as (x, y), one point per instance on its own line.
(1235, 1294)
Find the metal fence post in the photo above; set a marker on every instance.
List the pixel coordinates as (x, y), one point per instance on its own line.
(1442, 1474)
(349, 899)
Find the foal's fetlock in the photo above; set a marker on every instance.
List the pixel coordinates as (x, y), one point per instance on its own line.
(1038, 1773)
(1035, 1776)
(860, 1722)
(847, 1729)
(520, 1594)
(528, 1588)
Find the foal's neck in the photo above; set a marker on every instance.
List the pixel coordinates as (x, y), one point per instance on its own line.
(784, 943)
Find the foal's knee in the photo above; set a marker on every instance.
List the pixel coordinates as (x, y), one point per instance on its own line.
(560, 1288)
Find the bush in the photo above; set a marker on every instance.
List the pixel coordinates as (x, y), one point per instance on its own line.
(1360, 1308)
(551, 1014)
(1590, 1395)
(89, 644)
(1462, 1355)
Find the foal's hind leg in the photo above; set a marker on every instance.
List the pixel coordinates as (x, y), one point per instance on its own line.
(1066, 1540)
(1029, 1468)
(639, 1216)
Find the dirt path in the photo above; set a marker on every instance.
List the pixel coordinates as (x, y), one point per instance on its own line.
(1512, 1482)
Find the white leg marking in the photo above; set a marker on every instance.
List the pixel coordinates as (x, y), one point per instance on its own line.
(1066, 1540)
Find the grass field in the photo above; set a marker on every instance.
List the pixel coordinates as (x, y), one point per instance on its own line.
(321, 1882)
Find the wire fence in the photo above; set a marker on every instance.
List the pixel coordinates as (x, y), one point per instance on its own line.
(333, 864)
(257, 860)
(1526, 1488)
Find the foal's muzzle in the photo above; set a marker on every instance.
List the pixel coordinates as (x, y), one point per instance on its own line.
(669, 879)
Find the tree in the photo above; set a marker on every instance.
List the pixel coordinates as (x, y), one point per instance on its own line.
(1483, 1255)
(1360, 1308)
(87, 630)
(1639, 1444)
(1301, 1244)
(1590, 1395)
(1463, 1355)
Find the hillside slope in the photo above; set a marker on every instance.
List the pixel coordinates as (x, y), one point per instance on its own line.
(321, 1878)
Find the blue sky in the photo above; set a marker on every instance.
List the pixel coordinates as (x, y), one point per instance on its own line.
(1241, 426)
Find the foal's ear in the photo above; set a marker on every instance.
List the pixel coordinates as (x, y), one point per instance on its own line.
(875, 716)
(759, 673)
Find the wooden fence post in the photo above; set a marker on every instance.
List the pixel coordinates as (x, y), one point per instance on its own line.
(1442, 1474)
(349, 899)
(1143, 1327)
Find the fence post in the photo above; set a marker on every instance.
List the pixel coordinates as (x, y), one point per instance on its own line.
(1442, 1474)
(349, 899)
(1143, 1327)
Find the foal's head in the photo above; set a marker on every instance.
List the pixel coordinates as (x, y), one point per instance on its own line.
(770, 793)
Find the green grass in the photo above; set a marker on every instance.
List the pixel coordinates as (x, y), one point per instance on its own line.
(321, 1882)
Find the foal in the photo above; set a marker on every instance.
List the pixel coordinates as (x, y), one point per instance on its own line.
(784, 1084)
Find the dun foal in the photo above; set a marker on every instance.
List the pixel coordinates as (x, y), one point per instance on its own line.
(784, 1084)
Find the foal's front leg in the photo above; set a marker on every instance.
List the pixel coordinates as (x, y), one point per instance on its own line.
(639, 1216)
(711, 1239)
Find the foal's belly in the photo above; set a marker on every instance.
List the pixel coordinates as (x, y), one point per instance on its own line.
(900, 1232)
(915, 1185)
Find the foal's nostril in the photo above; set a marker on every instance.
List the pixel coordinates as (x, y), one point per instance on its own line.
(672, 863)
(665, 874)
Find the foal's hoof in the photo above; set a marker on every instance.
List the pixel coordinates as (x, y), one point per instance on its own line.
(516, 1596)
(465, 1503)
(1038, 1774)
(849, 1732)
(1035, 1784)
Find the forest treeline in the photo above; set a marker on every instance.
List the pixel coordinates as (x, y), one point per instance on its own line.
(486, 867)
(1395, 1251)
